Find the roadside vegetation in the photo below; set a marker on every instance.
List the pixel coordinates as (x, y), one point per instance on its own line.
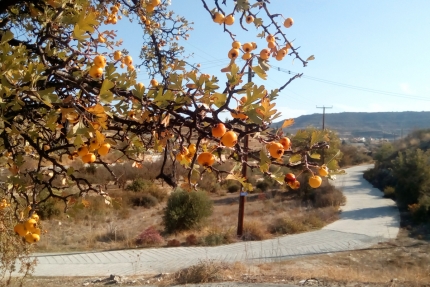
(402, 172)
(144, 213)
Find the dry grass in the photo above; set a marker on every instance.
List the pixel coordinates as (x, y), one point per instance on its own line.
(206, 271)
(100, 227)
(394, 264)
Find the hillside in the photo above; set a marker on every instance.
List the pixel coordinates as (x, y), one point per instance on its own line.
(384, 124)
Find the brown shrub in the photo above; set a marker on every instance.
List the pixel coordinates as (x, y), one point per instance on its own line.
(191, 240)
(327, 195)
(150, 237)
(285, 225)
(203, 272)
(254, 230)
(218, 236)
(173, 243)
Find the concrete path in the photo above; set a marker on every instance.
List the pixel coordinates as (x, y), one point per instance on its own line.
(366, 219)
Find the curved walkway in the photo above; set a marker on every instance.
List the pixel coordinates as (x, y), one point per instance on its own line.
(366, 219)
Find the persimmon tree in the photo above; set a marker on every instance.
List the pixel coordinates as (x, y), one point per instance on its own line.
(69, 91)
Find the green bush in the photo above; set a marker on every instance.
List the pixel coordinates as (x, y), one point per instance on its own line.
(186, 210)
(145, 200)
(138, 185)
(412, 173)
(418, 212)
(352, 156)
(263, 186)
(233, 188)
(48, 209)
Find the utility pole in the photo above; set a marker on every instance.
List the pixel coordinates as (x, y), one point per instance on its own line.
(242, 197)
(324, 107)
(323, 125)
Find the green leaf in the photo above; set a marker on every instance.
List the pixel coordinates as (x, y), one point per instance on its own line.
(263, 64)
(279, 177)
(264, 161)
(219, 99)
(314, 137)
(106, 95)
(57, 192)
(246, 185)
(79, 34)
(258, 22)
(70, 170)
(87, 22)
(6, 37)
(78, 142)
(253, 116)
(260, 72)
(234, 69)
(295, 158)
(315, 156)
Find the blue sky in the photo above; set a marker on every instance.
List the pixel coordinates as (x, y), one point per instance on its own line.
(380, 45)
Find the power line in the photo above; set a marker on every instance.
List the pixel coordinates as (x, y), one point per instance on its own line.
(364, 89)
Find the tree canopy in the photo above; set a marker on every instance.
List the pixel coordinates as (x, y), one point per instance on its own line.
(69, 91)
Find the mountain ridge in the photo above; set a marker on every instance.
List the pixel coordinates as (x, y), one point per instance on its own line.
(376, 124)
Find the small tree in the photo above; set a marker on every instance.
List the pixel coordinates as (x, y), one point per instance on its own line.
(186, 210)
(70, 92)
(412, 172)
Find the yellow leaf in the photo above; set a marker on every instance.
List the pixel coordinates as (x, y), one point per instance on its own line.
(166, 120)
(100, 137)
(287, 123)
(310, 58)
(97, 109)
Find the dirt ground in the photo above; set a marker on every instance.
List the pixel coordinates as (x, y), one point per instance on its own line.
(404, 262)
(105, 228)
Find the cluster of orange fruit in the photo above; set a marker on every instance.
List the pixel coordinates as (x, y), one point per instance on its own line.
(125, 61)
(187, 154)
(29, 229)
(276, 149)
(272, 49)
(4, 204)
(237, 113)
(112, 17)
(314, 181)
(247, 48)
(151, 5)
(219, 18)
(228, 139)
(86, 152)
(96, 70)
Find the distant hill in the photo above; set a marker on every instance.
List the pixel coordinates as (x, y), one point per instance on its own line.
(385, 124)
